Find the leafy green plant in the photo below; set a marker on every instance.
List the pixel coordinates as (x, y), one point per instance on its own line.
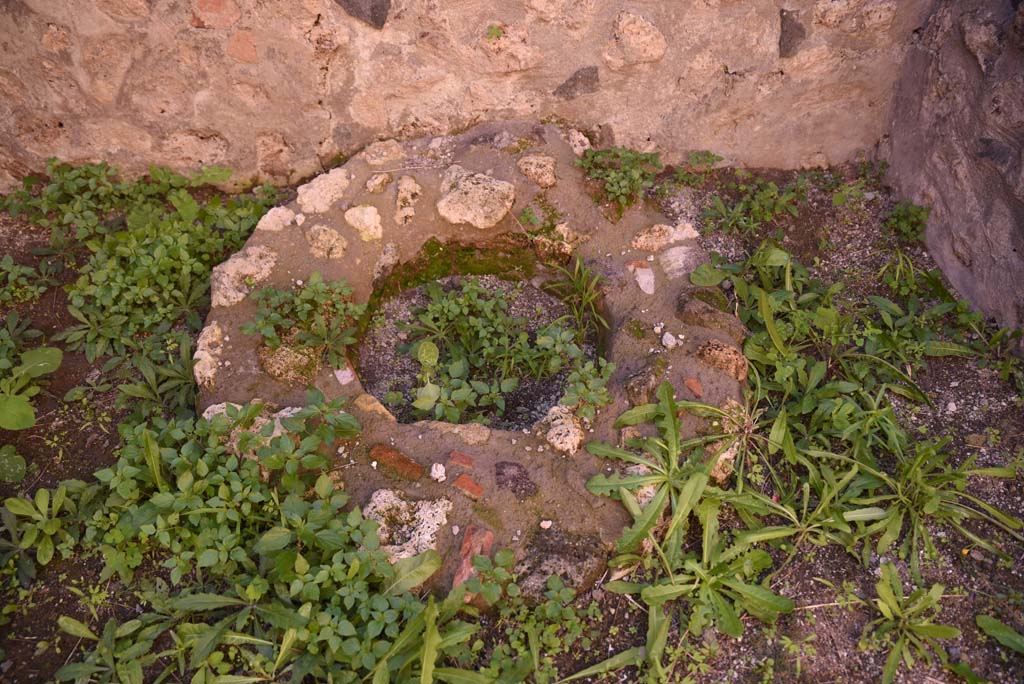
(626, 174)
(18, 387)
(849, 192)
(536, 634)
(272, 575)
(44, 520)
(12, 465)
(472, 353)
(695, 172)
(582, 289)
(168, 386)
(495, 32)
(758, 202)
(318, 315)
(19, 284)
(907, 221)
(14, 333)
(906, 624)
(927, 489)
(151, 246)
(1001, 632)
(721, 581)
(586, 388)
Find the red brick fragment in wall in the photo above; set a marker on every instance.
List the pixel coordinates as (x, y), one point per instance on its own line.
(462, 459)
(396, 461)
(468, 486)
(695, 386)
(477, 541)
(242, 47)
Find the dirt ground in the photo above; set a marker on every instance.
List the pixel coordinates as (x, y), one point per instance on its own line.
(982, 414)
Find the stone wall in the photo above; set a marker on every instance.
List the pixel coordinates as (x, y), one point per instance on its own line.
(957, 145)
(280, 88)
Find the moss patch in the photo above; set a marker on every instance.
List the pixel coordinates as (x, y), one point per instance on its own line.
(510, 257)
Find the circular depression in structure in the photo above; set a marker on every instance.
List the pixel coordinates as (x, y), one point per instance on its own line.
(505, 350)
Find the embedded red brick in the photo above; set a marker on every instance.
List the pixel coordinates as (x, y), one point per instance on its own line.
(695, 386)
(242, 47)
(462, 459)
(396, 461)
(216, 14)
(477, 541)
(468, 486)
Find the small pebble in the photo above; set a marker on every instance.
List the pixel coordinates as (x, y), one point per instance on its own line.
(437, 472)
(658, 329)
(650, 257)
(545, 524)
(669, 341)
(540, 449)
(951, 407)
(455, 530)
(514, 441)
(373, 464)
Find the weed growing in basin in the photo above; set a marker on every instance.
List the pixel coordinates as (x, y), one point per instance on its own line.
(587, 387)
(473, 353)
(907, 221)
(318, 315)
(626, 174)
(581, 289)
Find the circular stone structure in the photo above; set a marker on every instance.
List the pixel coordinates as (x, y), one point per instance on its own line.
(472, 489)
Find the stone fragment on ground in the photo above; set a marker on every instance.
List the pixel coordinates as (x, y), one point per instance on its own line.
(515, 478)
(477, 541)
(378, 182)
(276, 220)
(578, 559)
(540, 168)
(321, 193)
(405, 205)
(660, 236)
(679, 262)
(366, 220)
(644, 276)
(693, 311)
(232, 280)
(407, 528)
(325, 242)
(562, 429)
(476, 199)
(725, 358)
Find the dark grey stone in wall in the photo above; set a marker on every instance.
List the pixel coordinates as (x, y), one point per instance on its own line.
(957, 145)
(583, 81)
(373, 12)
(792, 34)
